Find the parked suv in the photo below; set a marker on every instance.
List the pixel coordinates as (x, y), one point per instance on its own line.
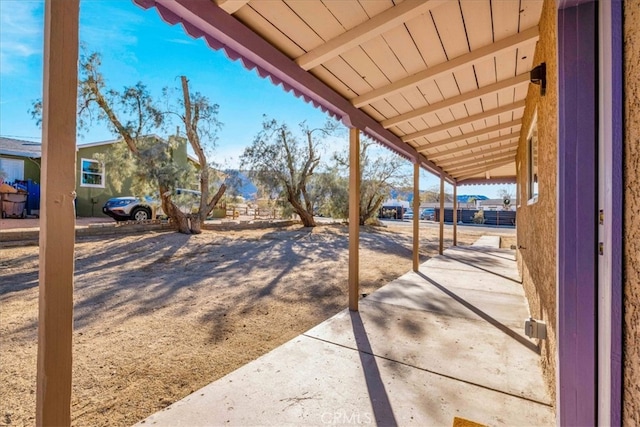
(428, 213)
(128, 208)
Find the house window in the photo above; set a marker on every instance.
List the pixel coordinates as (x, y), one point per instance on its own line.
(91, 173)
(532, 161)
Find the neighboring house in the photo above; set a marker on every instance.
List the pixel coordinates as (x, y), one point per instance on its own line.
(95, 183)
(19, 160)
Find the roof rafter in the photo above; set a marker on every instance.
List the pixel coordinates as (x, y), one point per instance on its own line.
(470, 159)
(479, 144)
(368, 30)
(452, 160)
(465, 136)
(481, 163)
(231, 6)
(470, 172)
(466, 120)
(495, 87)
(479, 55)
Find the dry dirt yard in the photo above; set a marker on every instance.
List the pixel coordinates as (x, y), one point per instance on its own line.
(160, 315)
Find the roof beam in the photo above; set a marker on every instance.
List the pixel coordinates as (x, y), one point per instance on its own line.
(476, 162)
(468, 173)
(470, 159)
(419, 112)
(479, 55)
(465, 136)
(381, 23)
(231, 6)
(466, 120)
(478, 153)
(479, 144)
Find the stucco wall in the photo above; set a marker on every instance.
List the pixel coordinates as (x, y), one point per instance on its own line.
(537, 221)
(631, 396)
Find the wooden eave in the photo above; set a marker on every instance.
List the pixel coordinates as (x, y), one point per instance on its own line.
(421, 77)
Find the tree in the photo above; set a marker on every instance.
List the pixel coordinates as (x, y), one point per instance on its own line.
(507, 198)
(379, 175)
(432, 195)
(279, 161)
(133, 115)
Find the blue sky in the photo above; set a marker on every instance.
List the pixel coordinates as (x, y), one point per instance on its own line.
(136, 45)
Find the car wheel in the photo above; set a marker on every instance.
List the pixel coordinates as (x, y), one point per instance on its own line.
(140, 214)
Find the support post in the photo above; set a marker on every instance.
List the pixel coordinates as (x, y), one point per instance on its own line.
(416, 216)
(455, 214)
(57, 221)
(441, 246)
(354, 217)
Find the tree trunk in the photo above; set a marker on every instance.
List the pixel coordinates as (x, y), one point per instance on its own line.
(175, 215)
(306, 217)
(196, 224)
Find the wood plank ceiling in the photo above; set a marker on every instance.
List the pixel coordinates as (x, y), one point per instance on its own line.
(447, 77)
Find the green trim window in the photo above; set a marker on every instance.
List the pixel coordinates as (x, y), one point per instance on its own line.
(91, 173)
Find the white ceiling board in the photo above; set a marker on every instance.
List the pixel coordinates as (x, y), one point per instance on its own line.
(448, 86)
(264, 28)
(325, 75)
(380, 52)
(347, 75)
(405, 49)
(466, 79)
(431, 92)
(530, 13)
(348, 13)
(312, 12)
(506, 17)
(477, 20)
(426, 39)
(448, 21)
(365, 67)
(296, 29)
(505, 65)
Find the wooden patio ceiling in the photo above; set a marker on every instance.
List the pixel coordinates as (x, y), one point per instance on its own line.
(440, 82)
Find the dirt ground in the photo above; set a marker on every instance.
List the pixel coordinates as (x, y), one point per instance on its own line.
(160, 315)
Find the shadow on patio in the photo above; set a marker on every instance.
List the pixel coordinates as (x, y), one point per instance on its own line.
(430, 346)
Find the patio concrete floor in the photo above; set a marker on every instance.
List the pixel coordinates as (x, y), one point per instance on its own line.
(430, 346)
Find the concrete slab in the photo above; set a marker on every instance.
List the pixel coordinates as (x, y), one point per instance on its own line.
(430, 346)
(472, 351)
(488, 242)
(311, 382)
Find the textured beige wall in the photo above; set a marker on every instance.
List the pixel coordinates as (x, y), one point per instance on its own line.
(631, 396)
(537, 222)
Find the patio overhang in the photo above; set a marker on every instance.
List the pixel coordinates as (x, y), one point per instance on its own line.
(434, 81)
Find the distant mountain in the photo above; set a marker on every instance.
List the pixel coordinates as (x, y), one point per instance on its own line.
(245, 187)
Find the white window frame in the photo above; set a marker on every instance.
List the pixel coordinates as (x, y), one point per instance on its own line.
(82, 172)
(533, 169)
